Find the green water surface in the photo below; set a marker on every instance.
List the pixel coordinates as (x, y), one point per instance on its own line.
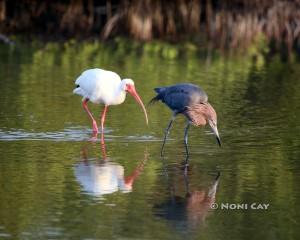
(56, 182)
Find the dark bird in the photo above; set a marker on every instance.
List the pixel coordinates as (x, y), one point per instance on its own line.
(191, 101)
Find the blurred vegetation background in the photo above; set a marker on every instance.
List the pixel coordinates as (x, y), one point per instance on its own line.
(226, 24)
(43, 128)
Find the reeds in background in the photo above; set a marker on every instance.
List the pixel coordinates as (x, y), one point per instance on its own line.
(223, 24)
(227, 24)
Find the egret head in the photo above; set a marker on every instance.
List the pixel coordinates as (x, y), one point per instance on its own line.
(201, 114)
(128, 86)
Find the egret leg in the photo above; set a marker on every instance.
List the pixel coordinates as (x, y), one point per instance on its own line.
(186, 140)
(186, 181)
(84, 104)
(186, 165)
(102, 123)
(167, 133)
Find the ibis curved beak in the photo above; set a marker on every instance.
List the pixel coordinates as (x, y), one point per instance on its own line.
(215, 130)
(133, 92)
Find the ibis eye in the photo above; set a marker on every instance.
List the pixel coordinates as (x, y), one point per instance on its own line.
(128, 87)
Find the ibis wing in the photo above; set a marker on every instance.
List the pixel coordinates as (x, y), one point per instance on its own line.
(96, 83)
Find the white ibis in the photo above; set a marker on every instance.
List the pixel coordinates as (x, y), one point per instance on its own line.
(106, 87)
(191, 101)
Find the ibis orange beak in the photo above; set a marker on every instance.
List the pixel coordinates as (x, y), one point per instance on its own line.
(133, 92)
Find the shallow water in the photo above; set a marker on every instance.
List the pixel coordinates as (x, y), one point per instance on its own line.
(58, 182)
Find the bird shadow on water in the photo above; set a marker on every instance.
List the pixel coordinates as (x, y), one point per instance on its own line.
(101, 176)
(186, 210)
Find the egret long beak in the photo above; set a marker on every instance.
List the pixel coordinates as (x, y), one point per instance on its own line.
(132, 91)
(216, 132)
(218, 140)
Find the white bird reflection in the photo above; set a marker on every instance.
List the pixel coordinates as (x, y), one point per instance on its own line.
(101, 177)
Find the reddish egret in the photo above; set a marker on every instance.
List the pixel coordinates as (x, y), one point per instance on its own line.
(101, 86)
(191, 101)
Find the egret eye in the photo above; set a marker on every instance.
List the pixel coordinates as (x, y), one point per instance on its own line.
(212, 122)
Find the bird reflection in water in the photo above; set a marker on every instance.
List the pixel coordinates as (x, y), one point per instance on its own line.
(105, 176)
(188, 212)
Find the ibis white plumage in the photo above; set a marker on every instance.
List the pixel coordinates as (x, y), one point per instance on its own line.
(104, 87)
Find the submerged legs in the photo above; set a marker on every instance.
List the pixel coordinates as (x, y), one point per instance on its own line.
(95, 127)
(85, 107)
(186, 148)
(167, 133)
(186, 138)
(102, 122)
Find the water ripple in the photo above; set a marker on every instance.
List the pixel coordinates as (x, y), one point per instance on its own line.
(67, 135)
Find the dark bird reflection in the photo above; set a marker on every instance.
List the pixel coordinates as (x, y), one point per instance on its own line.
(189, 211)
(104, 176)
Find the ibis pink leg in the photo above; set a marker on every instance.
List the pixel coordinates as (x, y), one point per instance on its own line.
(102, 122)
(84, 104)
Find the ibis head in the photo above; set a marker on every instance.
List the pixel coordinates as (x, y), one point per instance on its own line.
(128, 86)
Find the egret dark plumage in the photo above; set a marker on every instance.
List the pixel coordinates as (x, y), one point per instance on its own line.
(191, 101)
